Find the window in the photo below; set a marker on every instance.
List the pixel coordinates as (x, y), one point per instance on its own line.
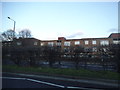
(19, 43)
(104, 42)
(58, 43)
(87, 49)
(94, 49)
(116, 42)
(5, 44)
(94, 42)
(116, 39)
(77, 42)
(66, 43)
(42, 44)
(66, 49)
(35, 43)
(86, 42)
(50, 43)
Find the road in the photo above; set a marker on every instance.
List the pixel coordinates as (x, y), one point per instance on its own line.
(19, 81)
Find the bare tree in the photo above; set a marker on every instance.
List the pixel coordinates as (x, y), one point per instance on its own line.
(8, 35)
(1, 38)
(50, 53)
(115, 50)
(77, 58)
(25, 33)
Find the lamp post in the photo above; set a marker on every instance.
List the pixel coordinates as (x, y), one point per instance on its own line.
(13, 27)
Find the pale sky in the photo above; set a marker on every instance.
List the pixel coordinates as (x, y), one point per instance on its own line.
(73, 20)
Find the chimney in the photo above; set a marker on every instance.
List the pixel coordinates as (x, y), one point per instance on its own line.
(61, 38)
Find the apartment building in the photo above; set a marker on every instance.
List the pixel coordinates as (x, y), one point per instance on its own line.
(87, 43)
(115, 37)
(63, 43)
(22, 42)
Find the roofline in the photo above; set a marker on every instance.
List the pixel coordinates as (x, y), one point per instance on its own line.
(112, 34)
(87, 38)
(75, 39)
(26, 38)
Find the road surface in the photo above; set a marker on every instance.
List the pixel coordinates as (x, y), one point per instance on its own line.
(19, 81)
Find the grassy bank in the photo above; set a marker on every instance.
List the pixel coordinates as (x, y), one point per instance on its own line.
(67, 72)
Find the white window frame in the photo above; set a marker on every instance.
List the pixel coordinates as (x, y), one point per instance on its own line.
(94, 42)
(77, 42)
(116, 42)
(86, 42)
(42, 44)
(67, 43)
(104, 42)
(50, 43)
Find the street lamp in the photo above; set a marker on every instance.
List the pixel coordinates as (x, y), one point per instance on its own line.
(13, 27)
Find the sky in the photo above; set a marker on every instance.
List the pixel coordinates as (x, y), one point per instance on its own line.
(73, 20)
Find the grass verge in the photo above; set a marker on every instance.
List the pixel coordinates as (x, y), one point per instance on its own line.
(66, 72)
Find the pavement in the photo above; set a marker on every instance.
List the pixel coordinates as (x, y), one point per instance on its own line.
(13, 82)
(85, 80)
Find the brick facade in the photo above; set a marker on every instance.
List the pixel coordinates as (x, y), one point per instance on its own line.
(62, 42)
